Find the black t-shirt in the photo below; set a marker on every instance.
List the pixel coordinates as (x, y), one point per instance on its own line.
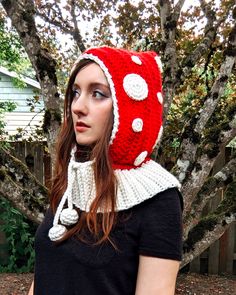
(152, 228)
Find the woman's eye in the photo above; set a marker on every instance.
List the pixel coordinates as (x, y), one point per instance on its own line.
(99, 94)
(76, 93)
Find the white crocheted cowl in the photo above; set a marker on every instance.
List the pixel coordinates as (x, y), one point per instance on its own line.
(133, 187)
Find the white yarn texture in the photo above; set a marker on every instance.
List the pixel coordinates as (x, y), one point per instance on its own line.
(137, 125)
(158, 137)
(134, 186)
(159, 63)
(135, 87)
(140, 158)
(160, 97)
(136, 60)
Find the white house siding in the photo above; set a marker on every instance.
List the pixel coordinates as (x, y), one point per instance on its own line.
(21, 117)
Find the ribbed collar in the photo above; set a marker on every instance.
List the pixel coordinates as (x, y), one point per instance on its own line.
(133, 187)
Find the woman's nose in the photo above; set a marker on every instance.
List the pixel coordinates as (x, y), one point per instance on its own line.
(80, 106)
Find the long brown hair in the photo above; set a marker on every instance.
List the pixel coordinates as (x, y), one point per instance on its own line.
(100, 225)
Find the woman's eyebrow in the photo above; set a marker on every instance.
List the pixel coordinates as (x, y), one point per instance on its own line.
(93, 84)
(97, 84)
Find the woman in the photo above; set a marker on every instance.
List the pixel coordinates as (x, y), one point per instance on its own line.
(114, 222)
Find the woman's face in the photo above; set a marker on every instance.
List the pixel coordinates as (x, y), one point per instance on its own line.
(92, 104)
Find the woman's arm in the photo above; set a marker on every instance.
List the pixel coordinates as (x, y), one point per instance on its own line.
(31, 290)
(156, 276)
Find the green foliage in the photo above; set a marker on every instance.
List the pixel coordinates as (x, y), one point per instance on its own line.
(19, 83)
(20, 239)
(9, 46)
(33, 102)
(18, 230)
(12, 53)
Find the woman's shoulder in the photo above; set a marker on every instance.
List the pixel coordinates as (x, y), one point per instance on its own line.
(164, 200)
(160, 225)
(157, 211)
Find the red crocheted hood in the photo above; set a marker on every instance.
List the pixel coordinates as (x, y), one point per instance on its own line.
(135, 82)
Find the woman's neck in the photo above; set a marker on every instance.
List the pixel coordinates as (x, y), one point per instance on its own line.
(83, 153)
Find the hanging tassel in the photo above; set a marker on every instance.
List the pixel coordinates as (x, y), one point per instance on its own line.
(69, 216)
(57, 232)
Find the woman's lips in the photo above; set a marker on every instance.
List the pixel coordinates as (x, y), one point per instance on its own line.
(81, 126)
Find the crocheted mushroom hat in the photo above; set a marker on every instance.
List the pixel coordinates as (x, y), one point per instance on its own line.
(135, 83)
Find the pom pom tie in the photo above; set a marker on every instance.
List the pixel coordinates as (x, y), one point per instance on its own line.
(57, 232)
(69, 216)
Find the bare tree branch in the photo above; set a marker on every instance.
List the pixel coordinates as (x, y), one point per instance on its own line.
(168, 28)
(164, 13)
(216, 91)
(210, 34)
(189, 147)
(209, 190)
(65, 26)
(21, 187)
(211, 228)
(177, 9)
(202, 168)
(76, 34)
(205, 233)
